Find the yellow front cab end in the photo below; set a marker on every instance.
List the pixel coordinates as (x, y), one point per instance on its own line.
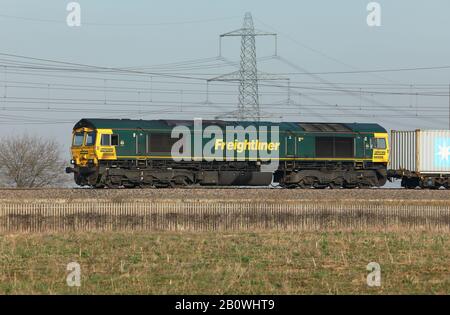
(83, 147)
(89, 148)
(380, 147)
(84, 158)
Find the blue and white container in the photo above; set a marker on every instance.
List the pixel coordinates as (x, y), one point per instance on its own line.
(420, 151)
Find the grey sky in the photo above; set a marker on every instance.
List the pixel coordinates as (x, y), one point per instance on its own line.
(318, 36)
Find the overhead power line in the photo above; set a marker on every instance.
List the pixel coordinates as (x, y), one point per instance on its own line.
(199, 21)
(100, 68)
(146, 82)
(369, 71)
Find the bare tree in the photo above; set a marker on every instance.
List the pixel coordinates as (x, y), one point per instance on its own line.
(31, 161)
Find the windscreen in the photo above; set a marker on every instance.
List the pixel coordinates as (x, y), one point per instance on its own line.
(379, 143)
(78, 139)
(90, 138)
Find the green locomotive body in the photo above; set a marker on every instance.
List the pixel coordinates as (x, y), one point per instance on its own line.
(140, 153)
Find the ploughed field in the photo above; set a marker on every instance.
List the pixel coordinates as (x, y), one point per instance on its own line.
(221, 194)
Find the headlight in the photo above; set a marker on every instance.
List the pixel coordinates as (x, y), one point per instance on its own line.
(72, 162)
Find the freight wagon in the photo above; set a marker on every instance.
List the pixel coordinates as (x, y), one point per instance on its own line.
(140, 153)
(420, 158)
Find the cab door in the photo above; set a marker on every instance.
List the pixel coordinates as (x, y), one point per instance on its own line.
(141, 143)
(363, 149)
(291, 145)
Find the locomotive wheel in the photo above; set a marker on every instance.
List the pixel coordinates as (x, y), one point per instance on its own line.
(349, 185)
(290, 186)
(162, 185)
(180, 181)
(337, 183)
(112, 186)
(301, 184)
(382, 181)
(333, 185)
(311, 182)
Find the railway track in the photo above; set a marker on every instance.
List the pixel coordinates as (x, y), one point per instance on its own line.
(226, 194)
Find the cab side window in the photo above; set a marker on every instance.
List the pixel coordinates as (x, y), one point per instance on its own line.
(108, 140)
(114, 139)
(378, 143)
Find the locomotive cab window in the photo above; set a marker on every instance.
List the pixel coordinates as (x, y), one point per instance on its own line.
(378, 143)
(90, 138)
(114, 139)
(78, 139)
(109, 140)
(106, 140)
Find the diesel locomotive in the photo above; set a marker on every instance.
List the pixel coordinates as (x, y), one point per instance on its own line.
(140, 153)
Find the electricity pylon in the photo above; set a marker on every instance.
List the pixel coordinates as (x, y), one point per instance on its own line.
(247, 75)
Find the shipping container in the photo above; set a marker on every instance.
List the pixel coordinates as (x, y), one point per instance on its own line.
(420, 151)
